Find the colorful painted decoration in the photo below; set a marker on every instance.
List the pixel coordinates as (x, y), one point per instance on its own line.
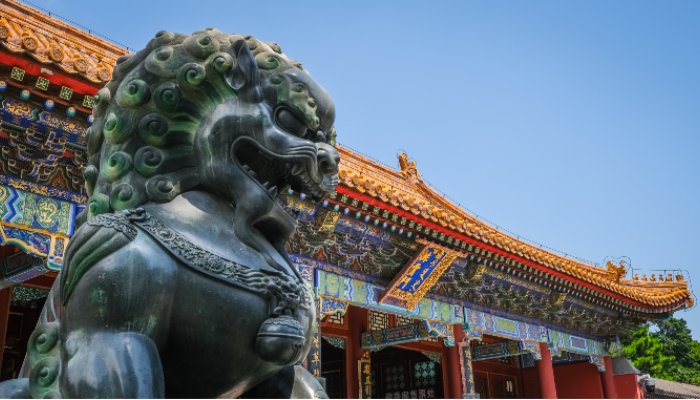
(90, 118)
(3, 86)
(70, 111)
(17, 73)
(497, 350)
(49, 104)
(24, 94)
(88, 101)
(66, 93)
(332, 306)
(42, 83)
(420, 274)
(23, 209)
(377, 340)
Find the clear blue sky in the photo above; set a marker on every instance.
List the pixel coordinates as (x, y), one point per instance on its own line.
(574, 124)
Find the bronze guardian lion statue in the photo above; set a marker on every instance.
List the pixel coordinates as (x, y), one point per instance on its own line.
(177, 282)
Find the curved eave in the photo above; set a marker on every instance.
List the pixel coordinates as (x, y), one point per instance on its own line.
(404, 193)
(36, 36)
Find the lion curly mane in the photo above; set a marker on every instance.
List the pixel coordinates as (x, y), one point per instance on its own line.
(140, 146)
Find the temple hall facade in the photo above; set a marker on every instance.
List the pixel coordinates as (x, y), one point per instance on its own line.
(416, 297)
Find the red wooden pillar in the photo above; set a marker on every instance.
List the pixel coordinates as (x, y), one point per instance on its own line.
(446, 367)
(606, 377)
(453, 389)
(546, 374)
(357, 324)
(5, 298)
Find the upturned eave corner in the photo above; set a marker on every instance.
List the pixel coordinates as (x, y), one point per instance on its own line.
(406, 191)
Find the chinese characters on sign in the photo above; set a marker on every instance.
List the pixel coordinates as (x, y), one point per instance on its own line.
(465, 361)
(416, 275)
(420, 274)
(365, 374)
(314, 360)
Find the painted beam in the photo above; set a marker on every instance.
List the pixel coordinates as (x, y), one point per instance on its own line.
(380, 339)
(505, 349)
(330, 306)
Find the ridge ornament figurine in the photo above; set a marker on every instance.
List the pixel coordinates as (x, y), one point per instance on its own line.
(177, 282)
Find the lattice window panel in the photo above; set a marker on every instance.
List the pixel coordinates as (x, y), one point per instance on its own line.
(481, 386)
(378, 320)
(395, 377)
(402, 321)
(373, 379)
(424, 374)
(336, 318)
(502, 387)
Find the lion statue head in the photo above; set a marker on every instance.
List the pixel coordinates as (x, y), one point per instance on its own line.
(226, 114)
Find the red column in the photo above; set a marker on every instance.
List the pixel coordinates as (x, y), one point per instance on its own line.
(357, 324)
(446, 367)
(546, 374)
(5, 298)
(453, 389)
(606, 377)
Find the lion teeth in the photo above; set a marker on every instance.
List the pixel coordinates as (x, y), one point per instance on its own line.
(272, 191)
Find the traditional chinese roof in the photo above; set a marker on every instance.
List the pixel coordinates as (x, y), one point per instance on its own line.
(31, 33)
(398, 199)
(405, 192)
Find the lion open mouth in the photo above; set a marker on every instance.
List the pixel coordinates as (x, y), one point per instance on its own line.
(299, 170)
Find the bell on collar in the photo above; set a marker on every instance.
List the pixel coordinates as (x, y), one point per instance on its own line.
(280, 340)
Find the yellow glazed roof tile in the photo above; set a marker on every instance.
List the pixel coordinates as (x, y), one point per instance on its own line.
(405, 189)
(26, 31)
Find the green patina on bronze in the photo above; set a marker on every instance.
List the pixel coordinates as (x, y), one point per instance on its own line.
(141, 143)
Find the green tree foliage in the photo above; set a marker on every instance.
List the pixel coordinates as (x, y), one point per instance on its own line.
(669, 353)
(646, 353)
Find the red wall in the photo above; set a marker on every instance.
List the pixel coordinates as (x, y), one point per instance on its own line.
(531, 384)
(627, 387)
(578, 380)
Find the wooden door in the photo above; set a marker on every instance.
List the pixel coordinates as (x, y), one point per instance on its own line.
(405, 374)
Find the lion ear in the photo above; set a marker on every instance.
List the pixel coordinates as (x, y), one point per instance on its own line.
(244, 78)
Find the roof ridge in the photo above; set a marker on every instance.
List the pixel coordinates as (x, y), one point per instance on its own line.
(407, 190)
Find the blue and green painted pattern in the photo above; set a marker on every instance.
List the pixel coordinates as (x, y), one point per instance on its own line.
(364, 291)
(36, 223)
(504, 327)
(575, 344)
(23, 209)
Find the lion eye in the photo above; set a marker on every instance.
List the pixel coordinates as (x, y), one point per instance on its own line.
(290, 123)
